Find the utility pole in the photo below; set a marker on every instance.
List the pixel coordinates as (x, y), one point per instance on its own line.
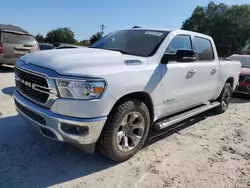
(102, 28)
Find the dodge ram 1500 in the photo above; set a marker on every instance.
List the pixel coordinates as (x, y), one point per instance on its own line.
(110, 94)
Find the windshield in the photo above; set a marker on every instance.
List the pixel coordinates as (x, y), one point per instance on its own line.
(133, 42)
(245, 60)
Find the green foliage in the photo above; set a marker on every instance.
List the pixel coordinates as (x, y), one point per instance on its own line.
(40, 38)
(84, 43)
(247, 47)
(63, 35)
(228, 25)
(95, 37)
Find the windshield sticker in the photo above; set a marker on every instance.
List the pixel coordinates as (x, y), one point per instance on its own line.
(132, 62)
(158, 34)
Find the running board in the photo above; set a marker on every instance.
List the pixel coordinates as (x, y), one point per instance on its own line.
(180, 117)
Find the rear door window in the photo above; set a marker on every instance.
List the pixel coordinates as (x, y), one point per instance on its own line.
(15, 38)
(204, 49)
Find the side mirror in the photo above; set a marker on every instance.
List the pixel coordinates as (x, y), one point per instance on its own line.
(180, 56)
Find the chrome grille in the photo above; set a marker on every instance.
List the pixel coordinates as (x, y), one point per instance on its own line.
(25, 83)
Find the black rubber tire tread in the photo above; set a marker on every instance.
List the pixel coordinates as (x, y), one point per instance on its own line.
(220, 109)
(106, 143)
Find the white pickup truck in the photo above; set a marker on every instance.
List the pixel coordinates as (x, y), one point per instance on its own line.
(110, 94)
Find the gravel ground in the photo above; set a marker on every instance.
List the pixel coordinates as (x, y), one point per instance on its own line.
(208, 150)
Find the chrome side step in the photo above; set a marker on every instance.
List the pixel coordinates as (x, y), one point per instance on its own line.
(180, 117)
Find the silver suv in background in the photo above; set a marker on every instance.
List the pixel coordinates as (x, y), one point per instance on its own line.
(14, 43)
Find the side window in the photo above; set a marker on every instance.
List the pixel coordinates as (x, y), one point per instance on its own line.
(48, 47)
(41, 47)
(179, 42)
(204, 49)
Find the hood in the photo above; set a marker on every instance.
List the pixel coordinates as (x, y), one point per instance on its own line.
(81, 61)
(245, 71)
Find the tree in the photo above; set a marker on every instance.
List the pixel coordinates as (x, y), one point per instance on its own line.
(40, 38)
(63, 35)
(84, 43)
(228, 25)
(95, 37)
(246, 49)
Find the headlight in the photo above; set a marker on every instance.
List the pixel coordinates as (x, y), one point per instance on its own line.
(80, 89)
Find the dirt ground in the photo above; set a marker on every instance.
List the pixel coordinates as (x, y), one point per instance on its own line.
(208, 150)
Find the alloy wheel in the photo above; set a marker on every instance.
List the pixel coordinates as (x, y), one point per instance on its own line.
(130, 131)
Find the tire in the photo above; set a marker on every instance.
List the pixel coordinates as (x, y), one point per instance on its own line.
(119, 123)
(224, 98)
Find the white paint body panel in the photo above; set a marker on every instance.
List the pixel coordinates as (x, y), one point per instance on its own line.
(162, 82)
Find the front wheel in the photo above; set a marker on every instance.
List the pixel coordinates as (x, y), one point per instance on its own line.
(224, 98)
(125, 131)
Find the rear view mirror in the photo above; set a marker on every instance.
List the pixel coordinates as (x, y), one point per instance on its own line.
(180, 56)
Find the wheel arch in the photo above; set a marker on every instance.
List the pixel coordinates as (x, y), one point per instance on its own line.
(230, 80)
(141, 96)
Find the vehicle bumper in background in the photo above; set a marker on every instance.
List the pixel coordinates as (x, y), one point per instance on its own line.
(8, 61)
(81, 132)
(242, 89)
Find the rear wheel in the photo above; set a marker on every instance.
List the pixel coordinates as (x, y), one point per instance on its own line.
(125, 130)
(224, 98)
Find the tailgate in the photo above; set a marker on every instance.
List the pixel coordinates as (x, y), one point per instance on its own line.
(16, 45)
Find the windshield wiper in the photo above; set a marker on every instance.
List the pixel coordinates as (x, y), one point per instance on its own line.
(114, 49)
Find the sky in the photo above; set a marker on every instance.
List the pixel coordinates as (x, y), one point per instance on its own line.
(84, 17)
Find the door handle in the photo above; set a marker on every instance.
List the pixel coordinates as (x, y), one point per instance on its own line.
(192, 72)
(214, 70)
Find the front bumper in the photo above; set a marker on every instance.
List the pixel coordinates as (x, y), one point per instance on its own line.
(50, 124)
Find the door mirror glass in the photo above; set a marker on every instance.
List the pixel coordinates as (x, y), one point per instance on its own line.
(180, 56)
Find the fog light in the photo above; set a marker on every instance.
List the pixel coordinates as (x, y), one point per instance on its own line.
(74, 129)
